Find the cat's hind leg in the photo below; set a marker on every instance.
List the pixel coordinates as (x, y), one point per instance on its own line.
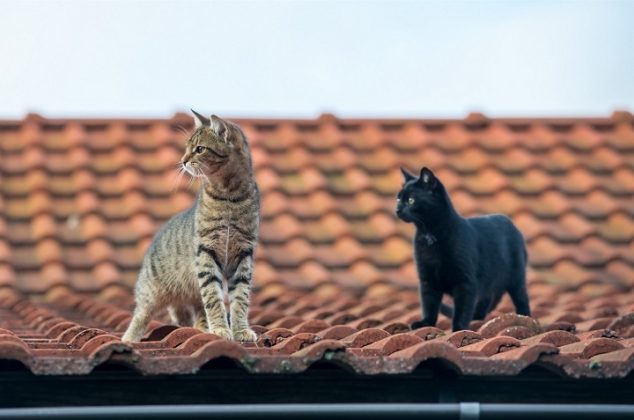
(517, 291)
(142, 316)
(200, 318)
(517, 281)
(482, 309)
(146, 303)
(180, 315)
(519, 296)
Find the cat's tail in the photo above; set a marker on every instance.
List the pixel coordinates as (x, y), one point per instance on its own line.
(446, 310)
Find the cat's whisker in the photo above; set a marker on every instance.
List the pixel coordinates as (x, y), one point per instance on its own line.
(202, 176)
(192, 178)
(174, 175)
(181, 129)
(178, 178)
(180, 170)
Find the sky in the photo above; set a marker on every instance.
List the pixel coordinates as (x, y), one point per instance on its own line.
(302, 58)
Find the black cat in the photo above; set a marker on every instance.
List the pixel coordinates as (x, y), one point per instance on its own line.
(474, 259)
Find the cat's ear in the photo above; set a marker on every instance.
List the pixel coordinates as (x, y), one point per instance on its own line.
(199, 120)
(427, 178)
(406, 175)
(219, 126)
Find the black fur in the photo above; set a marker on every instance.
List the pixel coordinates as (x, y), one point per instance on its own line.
(473, 259)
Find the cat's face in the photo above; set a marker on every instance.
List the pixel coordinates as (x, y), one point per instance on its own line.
(419, 197)
(212, 146)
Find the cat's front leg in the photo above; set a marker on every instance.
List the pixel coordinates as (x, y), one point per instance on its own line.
(211, 291)
(465, 296)
(430, 300)
(239, 286)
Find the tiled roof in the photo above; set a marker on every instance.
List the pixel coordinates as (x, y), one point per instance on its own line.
(81, 199)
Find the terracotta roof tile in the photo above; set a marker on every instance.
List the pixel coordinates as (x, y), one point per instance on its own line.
(293, 161)
(618, 228)
(302, 182)
(531, 182)
(81, 199)
(327, 229)
(468, 161)
(365, 137)
(280, 229)
(486, 182)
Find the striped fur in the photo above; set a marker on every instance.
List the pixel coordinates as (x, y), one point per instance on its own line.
(212, 243)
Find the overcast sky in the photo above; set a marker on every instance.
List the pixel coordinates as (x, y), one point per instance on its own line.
(282, 58)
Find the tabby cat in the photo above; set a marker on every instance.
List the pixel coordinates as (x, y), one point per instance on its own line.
(212, 242)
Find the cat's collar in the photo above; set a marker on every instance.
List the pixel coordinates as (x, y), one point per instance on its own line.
(431, 239)
(423, 232)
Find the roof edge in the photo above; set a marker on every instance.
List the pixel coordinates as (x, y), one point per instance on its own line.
(473, 118)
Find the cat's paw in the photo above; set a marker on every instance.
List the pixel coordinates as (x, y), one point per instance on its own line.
(130, 337)
(419, 324)
(244, 335)
(222, 332)
(202, 327)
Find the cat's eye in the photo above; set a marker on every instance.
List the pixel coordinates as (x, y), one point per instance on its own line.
(411, 201)
(199, 149)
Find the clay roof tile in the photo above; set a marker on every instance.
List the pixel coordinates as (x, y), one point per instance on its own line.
(81, 199)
